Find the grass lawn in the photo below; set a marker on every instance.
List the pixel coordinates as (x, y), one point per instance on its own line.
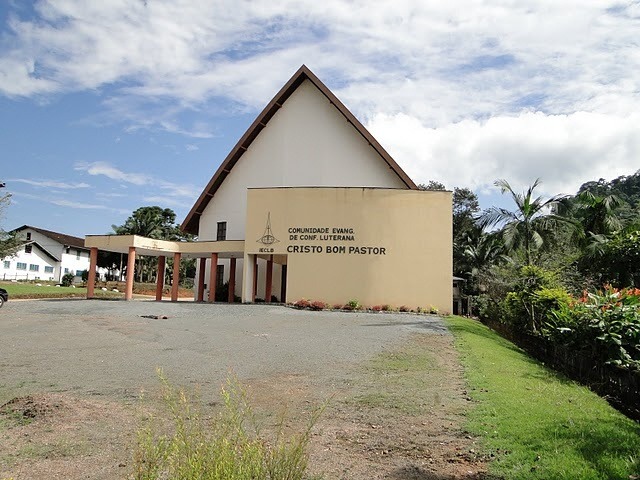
(534, 422)
(31, 290)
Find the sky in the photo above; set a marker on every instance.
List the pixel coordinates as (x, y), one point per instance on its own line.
(112, 105)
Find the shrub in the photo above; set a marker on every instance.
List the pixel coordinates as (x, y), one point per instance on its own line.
(404, 308)
(352, 305)
(337, 306)
(229, 447)
(67, 279)
(318, 305)
(605, 324)
(488, 308)
(386, 308)
(433, 310)
(377, 308)
(302, 304)
(535, 296)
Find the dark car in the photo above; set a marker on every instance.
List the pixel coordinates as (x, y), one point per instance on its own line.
(4, 296)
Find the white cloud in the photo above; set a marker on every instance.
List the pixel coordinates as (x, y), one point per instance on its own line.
(465, 93)
(167, 201)
(191, 148)
(79, 205)
(108, 170)
(428, 59)
(169, 189)
(110, 195)
(61, 202)
(563, 150)
(50, 183)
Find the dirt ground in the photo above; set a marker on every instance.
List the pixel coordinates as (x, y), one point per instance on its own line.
(395, 411)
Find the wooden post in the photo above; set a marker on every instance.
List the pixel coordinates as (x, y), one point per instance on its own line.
(201, 269)
(232, 281)
(176, 276)
(91, 281)
(269, 283)
(131, 268)
(213, 280)
(162, 260)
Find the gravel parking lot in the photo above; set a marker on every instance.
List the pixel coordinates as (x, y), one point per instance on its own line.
(71, 373)
(93, 347)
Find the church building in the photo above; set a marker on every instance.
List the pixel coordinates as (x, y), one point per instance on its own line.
(309, 205)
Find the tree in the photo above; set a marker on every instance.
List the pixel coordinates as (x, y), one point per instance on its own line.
(10, 242)
(153, 222)
(597, 212)
(626, 188)
(112, 261)
(465, 207)
(617, 259)
(465, 229)
(526, 226)
(482, 252)
(432, 185)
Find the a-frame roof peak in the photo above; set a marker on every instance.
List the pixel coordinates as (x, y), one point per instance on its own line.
(191, 222)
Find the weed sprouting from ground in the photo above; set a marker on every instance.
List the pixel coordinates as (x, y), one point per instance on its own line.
(229, 446)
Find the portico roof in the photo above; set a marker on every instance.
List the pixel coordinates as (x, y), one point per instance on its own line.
(157, 248)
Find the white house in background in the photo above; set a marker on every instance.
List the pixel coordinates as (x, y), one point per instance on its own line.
(45, 255)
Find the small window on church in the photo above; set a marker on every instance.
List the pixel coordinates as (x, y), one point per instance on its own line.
(222, 231)
(28, 248)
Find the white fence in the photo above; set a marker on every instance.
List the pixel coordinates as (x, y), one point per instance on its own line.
(28, 276)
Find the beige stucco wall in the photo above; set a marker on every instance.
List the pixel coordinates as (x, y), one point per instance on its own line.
(406, 234)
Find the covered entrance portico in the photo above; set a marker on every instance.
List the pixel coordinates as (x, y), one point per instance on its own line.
(134, 245)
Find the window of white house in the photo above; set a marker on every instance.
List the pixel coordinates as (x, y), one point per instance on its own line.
(7, 264)
(68, 249)
(66, 270)
(21, 266)
(28, 248)
(48, 269)
(77, 254)
(34, 268)
(28, 236)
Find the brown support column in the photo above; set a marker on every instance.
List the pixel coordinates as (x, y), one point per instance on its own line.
(176, 276)
(232, 281)
(213, 280)
(201, 269)
(269, 286)
(91, 281)
(255, 278)
(162, 261)
(131, 270)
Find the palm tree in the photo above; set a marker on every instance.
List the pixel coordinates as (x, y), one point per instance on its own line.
(482, 252)
(526, 226)
(597, 213)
